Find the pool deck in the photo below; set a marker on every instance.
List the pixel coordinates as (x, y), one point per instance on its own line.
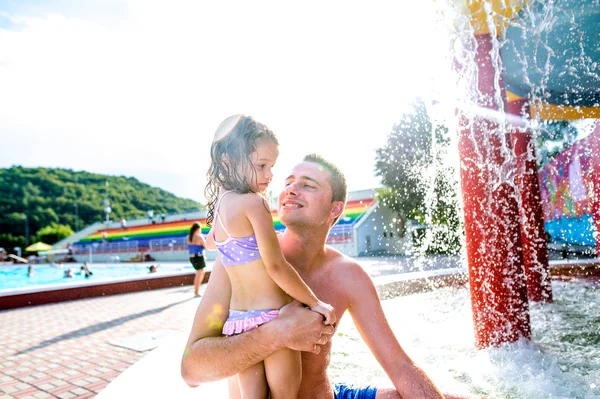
(64, 350)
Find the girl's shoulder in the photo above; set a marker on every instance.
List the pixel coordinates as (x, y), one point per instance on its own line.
(250, 202)
(247, 199)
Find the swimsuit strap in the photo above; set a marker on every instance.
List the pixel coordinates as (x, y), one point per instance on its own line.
(217, 216)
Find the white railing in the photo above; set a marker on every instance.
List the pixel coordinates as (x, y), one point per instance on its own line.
(341, 233)
(106, 248)
(168, 244)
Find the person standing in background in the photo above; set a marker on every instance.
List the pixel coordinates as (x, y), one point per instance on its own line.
(196, 245)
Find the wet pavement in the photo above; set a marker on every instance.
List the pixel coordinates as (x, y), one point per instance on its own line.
(74, 349)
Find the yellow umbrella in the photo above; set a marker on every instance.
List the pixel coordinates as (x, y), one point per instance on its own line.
(38, 246)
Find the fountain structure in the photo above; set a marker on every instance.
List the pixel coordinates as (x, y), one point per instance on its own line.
(518, 62)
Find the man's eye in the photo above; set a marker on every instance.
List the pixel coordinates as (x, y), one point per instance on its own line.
(308, 186)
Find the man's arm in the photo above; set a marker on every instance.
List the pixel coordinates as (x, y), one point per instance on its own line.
(408, 379)
(209, 356)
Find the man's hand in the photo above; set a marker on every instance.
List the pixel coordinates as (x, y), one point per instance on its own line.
(301, 329)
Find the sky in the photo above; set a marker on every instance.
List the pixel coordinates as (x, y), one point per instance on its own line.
(138, 87)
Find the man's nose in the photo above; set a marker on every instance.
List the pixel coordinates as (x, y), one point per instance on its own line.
(291, 189)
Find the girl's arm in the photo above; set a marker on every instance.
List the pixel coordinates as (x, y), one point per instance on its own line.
(280, 270)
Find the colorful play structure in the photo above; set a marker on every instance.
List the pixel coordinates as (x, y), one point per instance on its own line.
(567, 187)
(509, 83)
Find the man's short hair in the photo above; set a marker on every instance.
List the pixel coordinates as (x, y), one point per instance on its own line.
(337, 181)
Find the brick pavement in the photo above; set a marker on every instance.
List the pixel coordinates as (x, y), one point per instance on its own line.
(62, 350)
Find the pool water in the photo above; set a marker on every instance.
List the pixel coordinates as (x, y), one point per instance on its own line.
(13, 277)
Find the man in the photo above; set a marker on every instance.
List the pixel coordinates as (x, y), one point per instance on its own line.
(313, 200)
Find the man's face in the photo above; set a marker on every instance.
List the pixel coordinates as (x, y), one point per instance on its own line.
(306, 199)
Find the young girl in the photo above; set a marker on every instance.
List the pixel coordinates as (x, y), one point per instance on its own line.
(262, 281)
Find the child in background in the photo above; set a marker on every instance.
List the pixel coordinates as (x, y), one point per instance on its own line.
(243, 153)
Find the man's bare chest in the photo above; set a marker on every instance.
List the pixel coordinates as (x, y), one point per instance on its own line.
(328, 290)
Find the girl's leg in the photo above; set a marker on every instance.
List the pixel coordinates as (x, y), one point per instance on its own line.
(284, 373)
(253, 384)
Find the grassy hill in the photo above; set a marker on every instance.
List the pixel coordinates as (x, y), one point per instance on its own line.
(50, 196)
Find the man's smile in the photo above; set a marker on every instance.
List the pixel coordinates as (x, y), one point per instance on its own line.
(291, 205)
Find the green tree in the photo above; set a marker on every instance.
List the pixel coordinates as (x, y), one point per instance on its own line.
(53, 233)
(53, 196)
(401, 162)
(552, 138)
(418, 184)
(9, 241)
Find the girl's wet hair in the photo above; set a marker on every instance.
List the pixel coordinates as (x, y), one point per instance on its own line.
(234, 141)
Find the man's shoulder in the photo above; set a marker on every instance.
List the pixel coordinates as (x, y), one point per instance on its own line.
(335, 257)
(344, 265)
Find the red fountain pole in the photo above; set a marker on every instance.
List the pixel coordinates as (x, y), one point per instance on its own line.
(533, 233)
(493, 239)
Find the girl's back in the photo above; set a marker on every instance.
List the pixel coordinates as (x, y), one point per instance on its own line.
(252, 286)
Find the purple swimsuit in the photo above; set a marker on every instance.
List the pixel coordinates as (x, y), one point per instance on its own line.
(237, 251)
(240, 321)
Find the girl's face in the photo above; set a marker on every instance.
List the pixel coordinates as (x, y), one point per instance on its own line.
(263, 160)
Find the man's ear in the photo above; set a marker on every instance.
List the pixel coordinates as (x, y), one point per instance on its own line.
(337, 210)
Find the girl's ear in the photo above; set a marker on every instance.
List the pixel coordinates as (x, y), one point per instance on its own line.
(337, 210)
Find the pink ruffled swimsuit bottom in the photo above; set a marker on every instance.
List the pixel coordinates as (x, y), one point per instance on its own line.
(240, 321)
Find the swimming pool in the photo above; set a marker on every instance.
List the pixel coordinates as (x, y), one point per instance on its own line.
(13, 277)
(48, 284)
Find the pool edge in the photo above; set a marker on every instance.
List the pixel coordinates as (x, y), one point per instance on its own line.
(44, 297)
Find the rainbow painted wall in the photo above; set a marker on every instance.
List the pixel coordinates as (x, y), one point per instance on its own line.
(566, 185)
(354, 211)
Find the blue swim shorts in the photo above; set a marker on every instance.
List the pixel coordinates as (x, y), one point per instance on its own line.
(342, 391)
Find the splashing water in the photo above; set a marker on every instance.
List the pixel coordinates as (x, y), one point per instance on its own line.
(435, 328)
